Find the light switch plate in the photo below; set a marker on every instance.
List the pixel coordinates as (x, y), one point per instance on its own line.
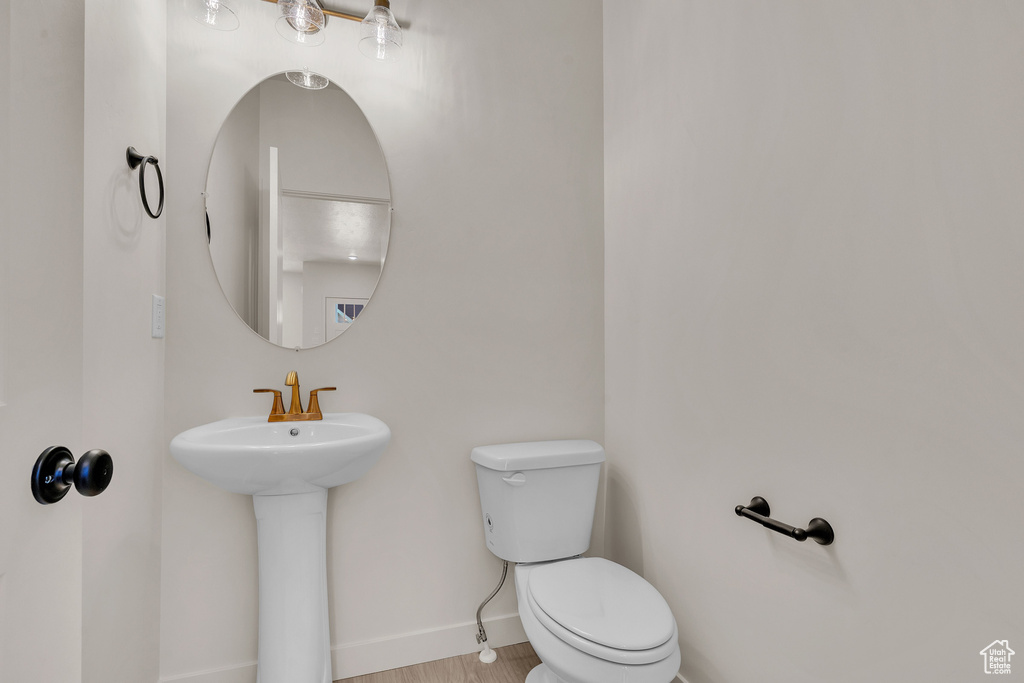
(159, 317)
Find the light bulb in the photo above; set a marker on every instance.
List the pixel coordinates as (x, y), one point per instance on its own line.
(381, 35)
(301, 22)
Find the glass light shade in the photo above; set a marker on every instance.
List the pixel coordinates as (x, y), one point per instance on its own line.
(301, 22)
(214, 14)
(310, 80)
(381, 37)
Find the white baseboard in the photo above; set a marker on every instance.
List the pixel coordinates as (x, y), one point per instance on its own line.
(382, 654)
(239, 673)
(370, 656)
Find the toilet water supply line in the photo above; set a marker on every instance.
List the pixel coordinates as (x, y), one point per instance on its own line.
(487, 655)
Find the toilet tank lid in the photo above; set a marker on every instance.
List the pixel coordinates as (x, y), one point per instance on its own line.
(535, 455)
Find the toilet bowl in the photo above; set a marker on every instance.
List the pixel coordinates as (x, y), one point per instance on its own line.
(593, 621)
(589, 620)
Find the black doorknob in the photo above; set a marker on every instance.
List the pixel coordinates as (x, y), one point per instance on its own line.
(55, 470)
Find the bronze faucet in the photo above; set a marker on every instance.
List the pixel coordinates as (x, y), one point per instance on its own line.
(295, 412)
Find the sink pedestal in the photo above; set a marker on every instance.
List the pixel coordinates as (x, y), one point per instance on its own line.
(294, 634)
(287, 468)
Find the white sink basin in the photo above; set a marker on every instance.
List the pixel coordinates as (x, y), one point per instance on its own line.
(287, 467)
(253, 456)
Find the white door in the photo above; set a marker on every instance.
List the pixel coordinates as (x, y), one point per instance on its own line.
(40, 351)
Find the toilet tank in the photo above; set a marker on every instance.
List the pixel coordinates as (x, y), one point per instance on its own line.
(537, 499)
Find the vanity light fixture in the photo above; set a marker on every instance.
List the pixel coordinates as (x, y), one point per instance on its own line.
(310, 80)
(303, 21)
(353, 257)
(215, 14)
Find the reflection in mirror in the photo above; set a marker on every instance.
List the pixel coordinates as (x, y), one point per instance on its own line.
(298, 207)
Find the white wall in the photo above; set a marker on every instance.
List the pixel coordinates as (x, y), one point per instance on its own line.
(813, 294)
(491, 127)
(81, 593)
(125, 84)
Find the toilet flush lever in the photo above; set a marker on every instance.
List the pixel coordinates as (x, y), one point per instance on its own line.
(517, 479)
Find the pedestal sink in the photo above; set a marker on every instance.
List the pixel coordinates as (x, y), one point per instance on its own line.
(287, 468)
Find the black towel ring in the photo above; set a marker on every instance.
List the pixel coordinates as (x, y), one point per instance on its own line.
(134, 160)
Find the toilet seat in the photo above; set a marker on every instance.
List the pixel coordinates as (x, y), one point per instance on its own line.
(603, 609)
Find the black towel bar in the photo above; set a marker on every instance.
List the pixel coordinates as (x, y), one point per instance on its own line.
(758, 510)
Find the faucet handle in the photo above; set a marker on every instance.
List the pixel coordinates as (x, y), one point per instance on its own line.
(314, 402)
(278, 408)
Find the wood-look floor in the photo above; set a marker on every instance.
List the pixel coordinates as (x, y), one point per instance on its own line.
(514, 662)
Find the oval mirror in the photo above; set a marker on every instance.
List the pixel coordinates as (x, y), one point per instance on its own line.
(298, 211)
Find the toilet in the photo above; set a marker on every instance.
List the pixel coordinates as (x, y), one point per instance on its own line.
(589, 620)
